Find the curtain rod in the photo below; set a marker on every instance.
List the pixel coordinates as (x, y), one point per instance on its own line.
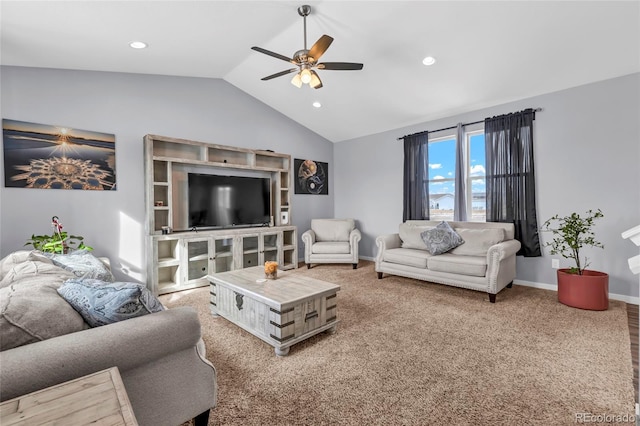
(454, 127)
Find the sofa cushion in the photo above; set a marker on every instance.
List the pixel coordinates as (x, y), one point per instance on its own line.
(409, 257)
(102, 303)
(441, 239)
(475, 266)
(332, 229)
(478, 241)
(331, 247)
(30, 307)
(410, 236)
(83, 264)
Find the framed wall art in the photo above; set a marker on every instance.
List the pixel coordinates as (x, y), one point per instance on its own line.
(55, 157)
(311, 177)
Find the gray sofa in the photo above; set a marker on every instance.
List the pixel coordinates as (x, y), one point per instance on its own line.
(160, 356)
(331, 241)
(485, 262)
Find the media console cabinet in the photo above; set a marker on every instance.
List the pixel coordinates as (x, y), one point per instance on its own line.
(183, 258)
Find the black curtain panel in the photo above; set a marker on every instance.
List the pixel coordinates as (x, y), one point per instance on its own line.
(511, 192)
(416, 177)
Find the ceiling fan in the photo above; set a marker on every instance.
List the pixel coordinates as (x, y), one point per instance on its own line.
(307, 59)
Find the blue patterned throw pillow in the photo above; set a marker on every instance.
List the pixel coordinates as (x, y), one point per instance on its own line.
(102, 303)
(441, 239)
(83, 264)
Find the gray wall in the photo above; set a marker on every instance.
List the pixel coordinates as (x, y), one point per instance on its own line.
(130, 106)
(587, 156)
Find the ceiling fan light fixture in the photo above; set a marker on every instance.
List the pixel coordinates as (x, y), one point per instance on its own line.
(305, 76)
(315, 80)
(297, 81)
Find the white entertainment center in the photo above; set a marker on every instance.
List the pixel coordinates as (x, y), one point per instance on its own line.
(179, 258)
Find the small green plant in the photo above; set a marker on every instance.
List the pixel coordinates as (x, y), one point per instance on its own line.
(58, 242)
(570, 234)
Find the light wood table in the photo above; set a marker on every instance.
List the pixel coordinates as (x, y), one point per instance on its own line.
(282, 312)
(98, 399)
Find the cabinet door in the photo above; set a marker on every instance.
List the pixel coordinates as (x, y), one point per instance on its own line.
(269, 243)
(198, 253)
(222, 256)
(249, 251)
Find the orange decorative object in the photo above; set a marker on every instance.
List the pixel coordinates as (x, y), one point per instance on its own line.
(271, 270)
(587, 291)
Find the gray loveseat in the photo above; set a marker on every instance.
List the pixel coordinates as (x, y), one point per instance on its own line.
(160, 356)
(485, 262)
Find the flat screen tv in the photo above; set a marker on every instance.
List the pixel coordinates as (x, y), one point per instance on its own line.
(226, 201)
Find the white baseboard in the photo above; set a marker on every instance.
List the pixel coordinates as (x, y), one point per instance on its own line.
(627, 299)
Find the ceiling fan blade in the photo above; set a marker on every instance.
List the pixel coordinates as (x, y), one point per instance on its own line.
(274, 54)
(315, 82)
(343, 66)
(320, 47)
(279, 74)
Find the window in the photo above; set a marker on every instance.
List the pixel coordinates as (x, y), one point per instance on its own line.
(442, 163)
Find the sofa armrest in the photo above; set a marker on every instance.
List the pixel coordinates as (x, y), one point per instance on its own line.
(501, 265)
(503, 250)
(308, 238)
(127, 345)
(385, 242)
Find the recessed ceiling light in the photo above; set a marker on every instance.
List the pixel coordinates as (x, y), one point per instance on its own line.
(138, 44)
(429, 60)
(317, 104)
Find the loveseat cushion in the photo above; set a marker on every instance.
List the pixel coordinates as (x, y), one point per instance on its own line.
(410, 236)
(475, 266)
(30, 307)
(478, 241)
(409, 257)
(101, 303)
(332, 229)
(331, 247)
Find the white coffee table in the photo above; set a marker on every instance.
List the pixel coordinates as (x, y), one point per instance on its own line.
(282, 312)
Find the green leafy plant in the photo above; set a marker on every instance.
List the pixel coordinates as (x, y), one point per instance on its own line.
(570, 234)
(58, 242)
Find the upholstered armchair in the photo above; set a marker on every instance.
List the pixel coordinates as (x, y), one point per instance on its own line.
(331, 241)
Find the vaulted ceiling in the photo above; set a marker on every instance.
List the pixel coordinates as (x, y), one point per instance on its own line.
(487, 52)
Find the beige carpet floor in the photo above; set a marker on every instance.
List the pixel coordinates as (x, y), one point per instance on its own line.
(417, 353)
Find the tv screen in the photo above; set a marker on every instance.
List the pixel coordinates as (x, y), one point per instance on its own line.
(226, 201)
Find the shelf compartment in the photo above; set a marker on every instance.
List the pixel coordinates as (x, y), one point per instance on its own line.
(160, 195)
(161, 218)
(168, 277)
(289, 259)
(288, 237)
(227, 156)
(182, 151)
(161, 172)
(272, 162)
(168, 250)
(223, 264)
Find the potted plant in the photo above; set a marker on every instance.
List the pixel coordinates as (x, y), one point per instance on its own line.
(578, 286)
(58, 242)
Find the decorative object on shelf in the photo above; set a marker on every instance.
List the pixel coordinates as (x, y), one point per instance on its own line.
(312, 177)
(159, 203)
(307, 59)
(58, 242)
(271, 270)
(55, 157)
(577, 286)
(284, 218)
(166, 230)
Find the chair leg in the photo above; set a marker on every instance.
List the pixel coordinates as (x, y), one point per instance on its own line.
(379, 275)
(201, 419)
(355, 266)
(492, 298)
(510, 284)
(308, 265)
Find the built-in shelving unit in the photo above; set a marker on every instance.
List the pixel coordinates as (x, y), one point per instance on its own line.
(182, 258)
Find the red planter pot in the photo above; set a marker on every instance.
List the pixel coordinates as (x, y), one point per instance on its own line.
(587, 291)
